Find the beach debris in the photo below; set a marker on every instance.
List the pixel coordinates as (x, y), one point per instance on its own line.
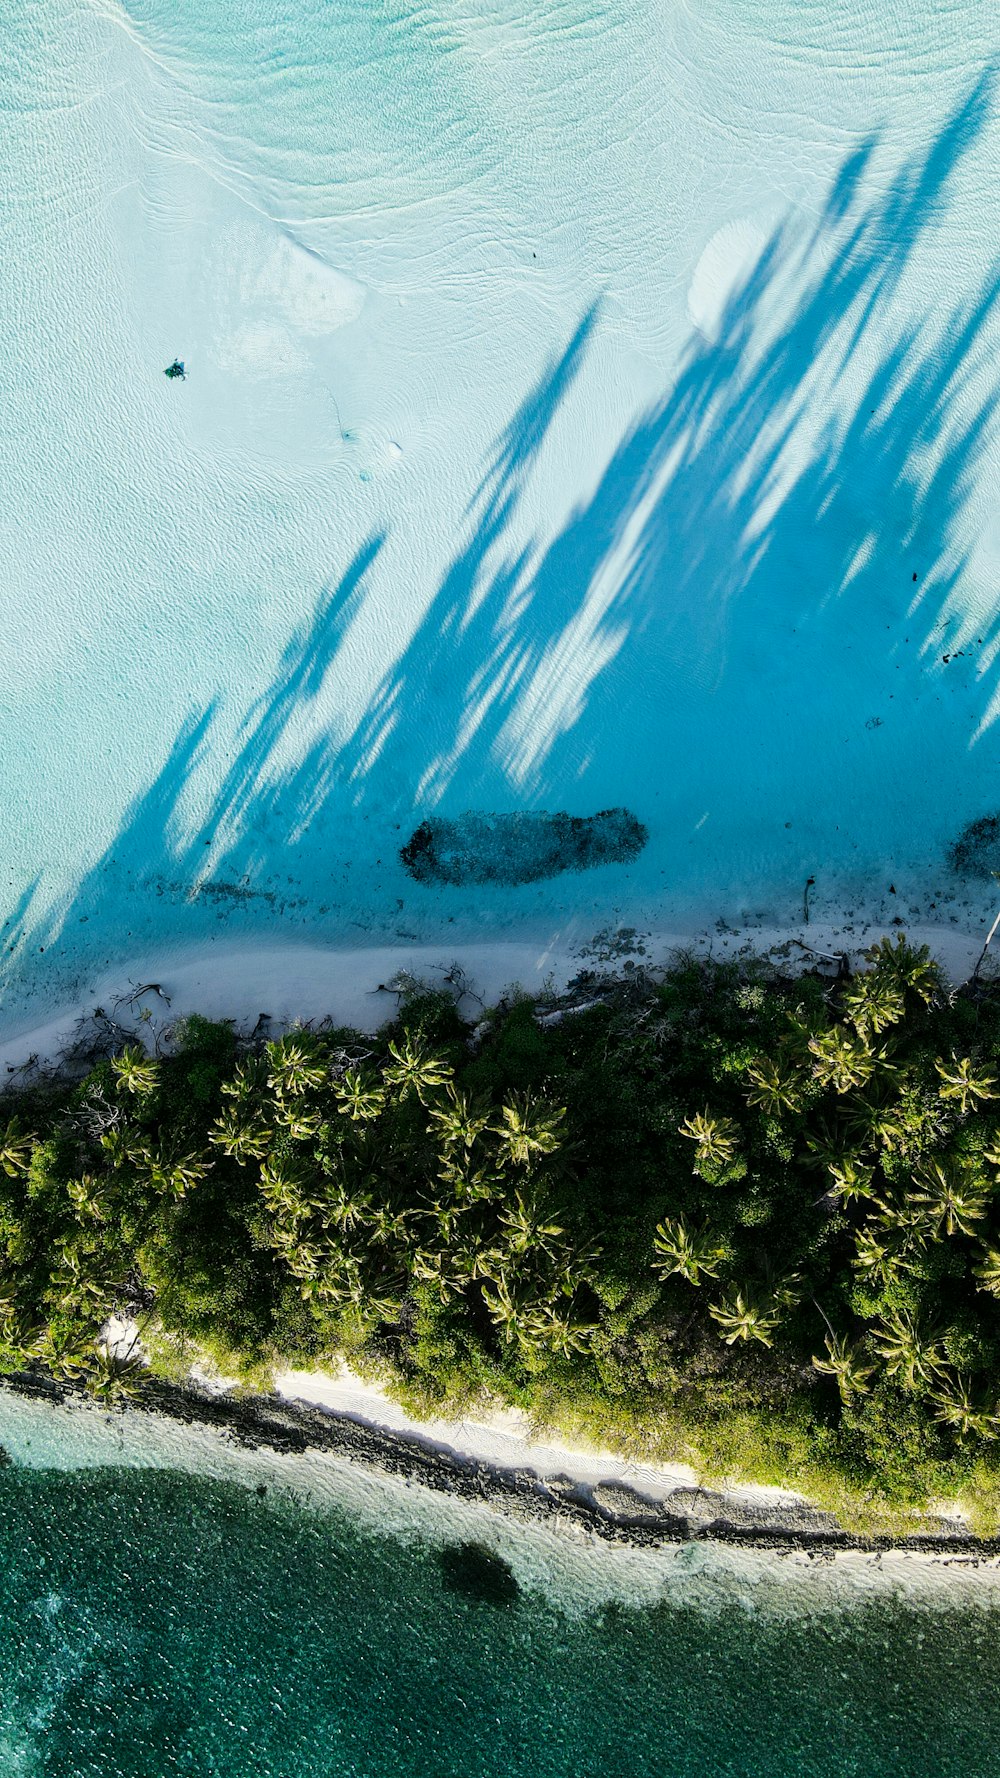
(176, 370)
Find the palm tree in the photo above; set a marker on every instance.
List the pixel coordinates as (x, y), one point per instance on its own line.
(121, 1148)
(865, 1117)
(874, 1257)
(530, 1129)
(899, 1127)
(388, 1228)
(690, 1255)
(906, 1220)
(63, 1350)
(170, 1173)
(527, 1229)
(346, 1210)
(304, 1260)
(852, 1180)
(955, 1407)
(473, 1185)
(414, 1069)
(247, 1082)
(914, 1357)
(457, 1120)
(448, 1220)
(87, 1199)
(360, 1095)
(912, 968)
(502, 1308)
(71, 1292)
(135, 1072)
(543, 1325)
(282, 1187)
(843, 1362)
(717, 1138)
(15, 1149)
(300, 1124)
(873, 1002)
(959, 1080)
(294, 1067)
(478, 1260)
(951, 1200)
(113, 1375)
(841, 1061)
(774, 1088)
(241, 1136)
(575, 1267)
(988, 1271)
(444, 1272)
(742, 1317)
(18, 1334)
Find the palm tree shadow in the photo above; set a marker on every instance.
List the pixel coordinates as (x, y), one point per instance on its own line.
(788, 515)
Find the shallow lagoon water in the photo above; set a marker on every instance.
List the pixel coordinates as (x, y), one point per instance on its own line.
(172, 1604)
(588, 406)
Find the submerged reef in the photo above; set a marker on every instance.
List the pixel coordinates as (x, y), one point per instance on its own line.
(478, 1573)
(519, 848)
(976, 852)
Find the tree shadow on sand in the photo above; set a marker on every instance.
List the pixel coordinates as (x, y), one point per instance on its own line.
(738, 613)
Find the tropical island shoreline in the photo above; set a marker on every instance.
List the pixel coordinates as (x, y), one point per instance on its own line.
(292, 983)
(570, 1488)
(276, 1195)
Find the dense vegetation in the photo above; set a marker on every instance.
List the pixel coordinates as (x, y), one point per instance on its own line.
(754, 1216)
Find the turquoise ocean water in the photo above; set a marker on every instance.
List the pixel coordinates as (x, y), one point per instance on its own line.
(589, 404)
(155, 1622)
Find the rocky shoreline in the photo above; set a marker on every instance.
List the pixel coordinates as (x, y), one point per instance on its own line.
(615, 1512)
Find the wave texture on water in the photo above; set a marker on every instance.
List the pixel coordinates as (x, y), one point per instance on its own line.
(171, 1603)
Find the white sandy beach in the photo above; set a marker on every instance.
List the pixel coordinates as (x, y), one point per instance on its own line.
(298, 983)
(504, 1440)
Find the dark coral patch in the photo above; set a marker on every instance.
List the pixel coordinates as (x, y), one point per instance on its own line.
(519, 848)
(476, 1572)
(976, 852)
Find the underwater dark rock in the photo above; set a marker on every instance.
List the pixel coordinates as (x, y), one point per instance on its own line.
(521, 847)
(976, 852)
(475, 1571)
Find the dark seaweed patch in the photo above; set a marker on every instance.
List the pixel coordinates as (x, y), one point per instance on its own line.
(976, 852)
(519, 848)
(473, 1570)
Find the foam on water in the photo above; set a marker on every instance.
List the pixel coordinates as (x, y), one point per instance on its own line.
(588, 406)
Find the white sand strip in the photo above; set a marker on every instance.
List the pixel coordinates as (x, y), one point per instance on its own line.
(504, 1439)
(309, 982)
